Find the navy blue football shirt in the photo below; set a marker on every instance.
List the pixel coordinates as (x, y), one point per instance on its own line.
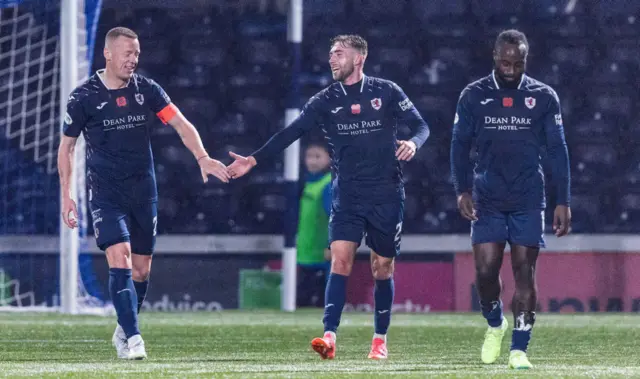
(116, 126)
(360, 122)
(510, 129)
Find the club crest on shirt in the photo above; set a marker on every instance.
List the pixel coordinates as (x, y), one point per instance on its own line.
(530, 102)
(139, 98)
(376, 103)
(355, 108)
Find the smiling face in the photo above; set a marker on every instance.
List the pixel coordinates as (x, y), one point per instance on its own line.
(347, 56)
(343, 60)
(121, 54)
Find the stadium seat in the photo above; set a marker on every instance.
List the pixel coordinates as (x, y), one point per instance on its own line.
(559, 18)
(591, 162)
(586, 212)
(442, 215)
(596, 127)
(618, 18)
(261, 207)
(625, 51)
(615, 100)
(628, 213)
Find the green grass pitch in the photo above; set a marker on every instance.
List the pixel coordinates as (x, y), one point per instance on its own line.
(265, 344)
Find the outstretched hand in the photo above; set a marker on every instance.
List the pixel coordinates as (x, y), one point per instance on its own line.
(209, 166)
(406, 150)
(240, 166)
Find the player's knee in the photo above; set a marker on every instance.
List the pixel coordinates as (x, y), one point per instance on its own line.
(140, 274)
(487, 274)
(341, 265)
(381, 267)
(119, 255)
(141, 267)
(524, 274)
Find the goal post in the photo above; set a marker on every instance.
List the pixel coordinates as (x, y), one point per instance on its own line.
(69, 238)
(45, 52)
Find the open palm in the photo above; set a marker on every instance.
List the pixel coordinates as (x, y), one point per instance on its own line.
(240, 166)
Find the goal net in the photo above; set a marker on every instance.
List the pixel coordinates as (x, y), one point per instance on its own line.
(45, 51)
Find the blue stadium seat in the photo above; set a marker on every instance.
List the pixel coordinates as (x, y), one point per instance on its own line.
(631, 130)
(317, 10)
(391, 63)
(151, 23)
(442, 215)
(628, 215)
(443, 19)
(192, 76)
(618, 18)
(615, 100)
(607, 72)
(559, 18)
(629, 170)
(369, 10)
(261, 207)
(203, 51)
(586, 212)
(270, 25)
(625, 51)
(426, 10)
(597, 127)
(263, 51)
(591, 162)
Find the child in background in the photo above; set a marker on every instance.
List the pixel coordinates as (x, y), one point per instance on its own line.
(313, 228)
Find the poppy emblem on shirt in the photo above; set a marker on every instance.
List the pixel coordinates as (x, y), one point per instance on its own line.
(140, 98)
(507, 102)
(530, 102)
(355, 108)
(376, 103)
(121, 101)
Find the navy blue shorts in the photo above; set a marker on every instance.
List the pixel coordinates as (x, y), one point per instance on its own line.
(525, 228)
(380, 224)
(115, 223)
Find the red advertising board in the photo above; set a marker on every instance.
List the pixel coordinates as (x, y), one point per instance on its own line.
(419, 286)
(567, 282)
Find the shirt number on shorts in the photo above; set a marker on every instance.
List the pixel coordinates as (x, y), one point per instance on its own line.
(398, 232)
(155, 225)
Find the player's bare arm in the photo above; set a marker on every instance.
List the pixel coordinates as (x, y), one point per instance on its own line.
(241, 165)
(65, 170)
(191, 139)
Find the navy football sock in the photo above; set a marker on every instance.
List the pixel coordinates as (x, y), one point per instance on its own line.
(522, 330)
(492, 311)
(383, 297)
(141, 291)
(335, 295)
(123, 295)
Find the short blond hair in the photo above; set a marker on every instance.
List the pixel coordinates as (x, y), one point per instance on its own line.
(120, 31)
